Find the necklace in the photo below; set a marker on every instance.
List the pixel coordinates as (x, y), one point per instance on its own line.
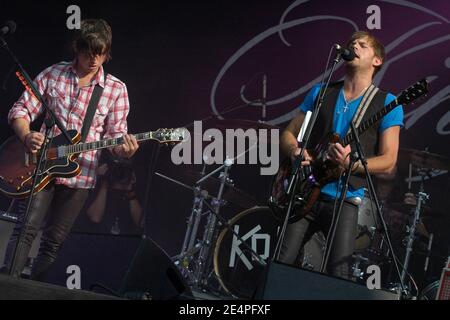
(346, 104)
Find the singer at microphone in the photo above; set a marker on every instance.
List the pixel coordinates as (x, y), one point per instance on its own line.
(364, 56)
(346, 53)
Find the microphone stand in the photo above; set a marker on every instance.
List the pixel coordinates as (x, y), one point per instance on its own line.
(297, 164)
(355, 156)
(49, 123)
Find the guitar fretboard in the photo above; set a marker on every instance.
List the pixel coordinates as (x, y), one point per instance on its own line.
(417, 90)
(106, 143)
(349, 138)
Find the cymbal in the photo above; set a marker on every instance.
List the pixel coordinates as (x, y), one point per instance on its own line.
(423, 159)
(230, 193)
(247, 124)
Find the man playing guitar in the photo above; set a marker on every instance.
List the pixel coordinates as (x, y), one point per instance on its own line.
(380, 145)
(67, 88)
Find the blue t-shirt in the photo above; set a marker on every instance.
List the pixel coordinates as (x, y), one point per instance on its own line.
(343, 114)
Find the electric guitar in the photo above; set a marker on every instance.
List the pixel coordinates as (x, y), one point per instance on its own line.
(322, 170)
(17, 167)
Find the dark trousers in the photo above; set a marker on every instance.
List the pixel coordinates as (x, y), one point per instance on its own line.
(59, 207)
(319, 219)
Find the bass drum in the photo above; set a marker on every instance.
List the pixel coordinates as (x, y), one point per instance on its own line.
(236, 269)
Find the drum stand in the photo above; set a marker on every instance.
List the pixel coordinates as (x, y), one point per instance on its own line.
(422, 197)
(191, 265)
(197, 269)
(203, 262)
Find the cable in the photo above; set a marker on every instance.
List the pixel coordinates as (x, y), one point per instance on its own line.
(334, 211)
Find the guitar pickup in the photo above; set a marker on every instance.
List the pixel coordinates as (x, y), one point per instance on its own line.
(30, 159)
(61, 151)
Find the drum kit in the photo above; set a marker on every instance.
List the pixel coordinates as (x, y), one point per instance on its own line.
(227, 257)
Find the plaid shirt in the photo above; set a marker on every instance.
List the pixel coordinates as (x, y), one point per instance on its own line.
(58, 85)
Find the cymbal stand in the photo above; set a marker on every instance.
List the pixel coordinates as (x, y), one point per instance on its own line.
(203, 262)
(190, 248)
(422, 197)
(194, 269)
(184, 259)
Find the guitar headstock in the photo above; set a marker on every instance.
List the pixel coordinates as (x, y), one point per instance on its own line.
(418, 89)
(165, 135)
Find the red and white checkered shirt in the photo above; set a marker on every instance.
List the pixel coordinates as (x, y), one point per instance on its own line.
(58, 85)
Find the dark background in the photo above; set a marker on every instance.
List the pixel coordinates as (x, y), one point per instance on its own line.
(169, 54)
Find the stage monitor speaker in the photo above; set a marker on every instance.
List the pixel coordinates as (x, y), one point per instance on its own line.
(153, 274)
(283, 282)
(128, 266)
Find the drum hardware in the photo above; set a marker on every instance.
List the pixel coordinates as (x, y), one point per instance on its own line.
(423, 159)
(357, 272)
(427, 259)
(195, 257)
(424, 165)
(212, 184)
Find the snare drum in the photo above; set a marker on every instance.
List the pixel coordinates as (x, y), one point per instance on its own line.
(234, 266)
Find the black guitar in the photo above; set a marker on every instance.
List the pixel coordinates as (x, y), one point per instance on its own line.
(17, 166)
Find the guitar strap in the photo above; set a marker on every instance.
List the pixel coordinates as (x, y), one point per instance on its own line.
(93, 103)
(364, 105)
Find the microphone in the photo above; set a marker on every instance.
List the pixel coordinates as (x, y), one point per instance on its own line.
(346, 53)
(9, 27)
(264, 96)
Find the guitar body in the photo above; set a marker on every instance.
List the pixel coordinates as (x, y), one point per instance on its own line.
(17, 167)
(311, 180)
(16, 172)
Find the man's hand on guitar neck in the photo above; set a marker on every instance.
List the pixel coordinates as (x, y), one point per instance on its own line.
(128, 148)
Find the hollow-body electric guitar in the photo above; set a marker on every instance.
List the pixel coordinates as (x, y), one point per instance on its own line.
(17, 167)
(322, 170)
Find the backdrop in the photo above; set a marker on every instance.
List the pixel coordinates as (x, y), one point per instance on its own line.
(190, 60)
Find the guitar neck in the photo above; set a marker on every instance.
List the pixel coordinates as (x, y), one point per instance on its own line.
(363, 127)
(106, 143)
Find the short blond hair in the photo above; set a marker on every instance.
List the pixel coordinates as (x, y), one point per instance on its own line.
(377, 46)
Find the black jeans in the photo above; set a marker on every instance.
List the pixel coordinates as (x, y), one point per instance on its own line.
(319, 219)
(59, 206)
